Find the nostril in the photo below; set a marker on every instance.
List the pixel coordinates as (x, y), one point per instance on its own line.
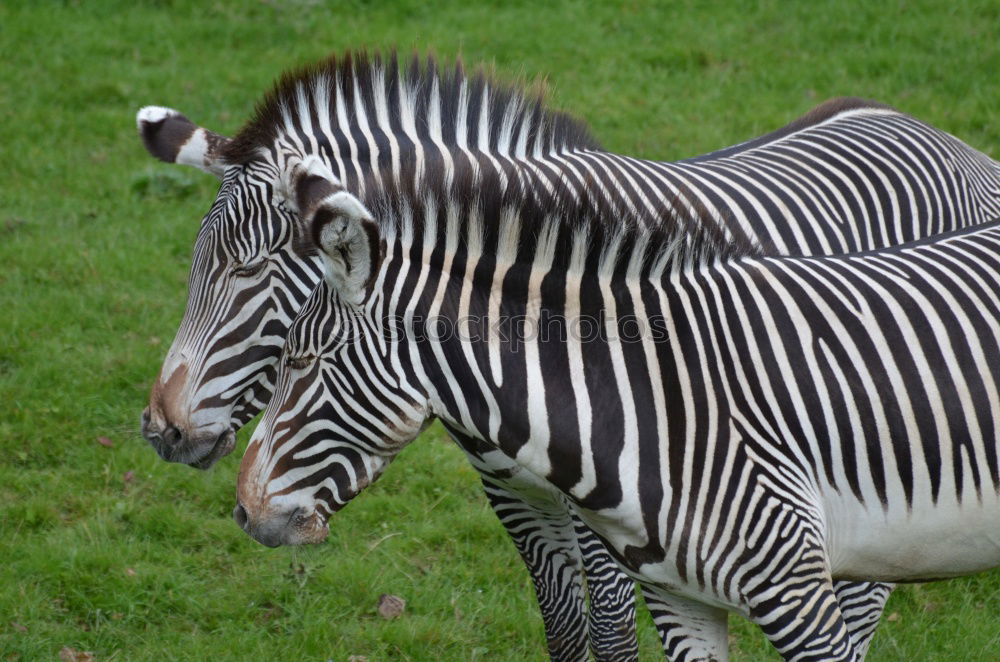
(240, 515)
(172, 435)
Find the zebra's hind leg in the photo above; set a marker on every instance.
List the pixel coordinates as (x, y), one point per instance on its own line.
(690, 631)
(544, 534)
(612, 601)
(862, 604)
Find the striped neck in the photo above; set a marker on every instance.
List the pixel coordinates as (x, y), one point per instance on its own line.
(480, 283)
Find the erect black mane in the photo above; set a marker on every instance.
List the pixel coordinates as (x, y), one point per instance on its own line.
(374, 77)
(618, 238)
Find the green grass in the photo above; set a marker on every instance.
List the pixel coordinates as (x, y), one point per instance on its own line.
(95, 240)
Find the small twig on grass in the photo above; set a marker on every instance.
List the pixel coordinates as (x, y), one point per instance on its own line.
(436, 503)
(371, 547)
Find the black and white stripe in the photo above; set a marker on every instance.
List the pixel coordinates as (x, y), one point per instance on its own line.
(842, 178)
(781, 423)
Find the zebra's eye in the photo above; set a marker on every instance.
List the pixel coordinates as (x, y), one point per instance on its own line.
(248, 269)
(298, 362)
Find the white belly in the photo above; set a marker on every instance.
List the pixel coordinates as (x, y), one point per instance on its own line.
(929, 542)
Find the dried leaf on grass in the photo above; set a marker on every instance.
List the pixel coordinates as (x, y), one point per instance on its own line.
(67, 654)
(390, 606)
(106, 442)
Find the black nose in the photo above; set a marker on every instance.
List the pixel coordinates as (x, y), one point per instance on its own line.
(240, 515)
(172, 435)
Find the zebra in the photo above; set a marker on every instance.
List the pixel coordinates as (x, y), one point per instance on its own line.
(778, 423)
(848, 159)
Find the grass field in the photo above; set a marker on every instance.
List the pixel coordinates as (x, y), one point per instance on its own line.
(110, 550)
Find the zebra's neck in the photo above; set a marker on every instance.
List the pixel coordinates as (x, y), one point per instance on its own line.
(500, 271)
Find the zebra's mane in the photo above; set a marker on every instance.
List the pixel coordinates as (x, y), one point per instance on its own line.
(410, 99)
(507, 218)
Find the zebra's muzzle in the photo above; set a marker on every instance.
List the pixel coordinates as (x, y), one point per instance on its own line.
(200, 450)
(296, 527)
(224, 445)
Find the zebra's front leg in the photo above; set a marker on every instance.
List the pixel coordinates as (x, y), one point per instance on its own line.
(538, 520)
(544, 535)
(802, 619)
(612, 601)
(787, 589)
(862, 604)
(690, 631)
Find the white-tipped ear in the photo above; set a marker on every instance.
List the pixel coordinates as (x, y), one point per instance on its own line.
(173, 138)
(348, 239)
(339, 224)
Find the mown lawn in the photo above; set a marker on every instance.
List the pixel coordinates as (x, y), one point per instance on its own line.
(108, 549)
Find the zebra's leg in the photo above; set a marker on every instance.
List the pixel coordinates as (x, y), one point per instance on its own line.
(861, 604)
(786, 587)
(612, 600)
(802, 619)
(689, 630)
(544, 535)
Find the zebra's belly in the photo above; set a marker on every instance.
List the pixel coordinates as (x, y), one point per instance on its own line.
(924, 543)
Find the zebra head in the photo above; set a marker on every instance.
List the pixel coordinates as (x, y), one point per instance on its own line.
(251, 271)
(344, 404)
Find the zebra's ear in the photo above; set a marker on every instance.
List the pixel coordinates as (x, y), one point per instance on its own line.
(348, 238)
(345, 233)
(173, 138)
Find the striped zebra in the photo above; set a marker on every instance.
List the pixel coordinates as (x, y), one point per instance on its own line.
(767, 425)
(863, 163)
